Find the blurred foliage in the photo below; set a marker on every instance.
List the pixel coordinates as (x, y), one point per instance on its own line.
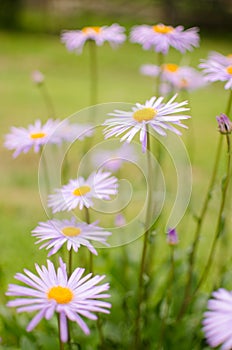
(53, 16)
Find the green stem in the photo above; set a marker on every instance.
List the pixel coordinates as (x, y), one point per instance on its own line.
(60, 341)
(229, 104)
(47, 100)
(87, 220)
(169, 298)
(70, 260)
(220, 217)
(93, 73)
(200, 220)
(160, 61)
(145, 246)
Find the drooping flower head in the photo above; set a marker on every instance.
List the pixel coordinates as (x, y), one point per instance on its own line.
(35, 136)
(217, 320)
(154, 113)
(224, 124)
(161, 37)
(52, 292)
(80, 192)
(56, 233)
(172, 237)
(75, 39)
(218, 68)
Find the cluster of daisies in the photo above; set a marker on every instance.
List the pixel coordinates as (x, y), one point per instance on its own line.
(69, 293)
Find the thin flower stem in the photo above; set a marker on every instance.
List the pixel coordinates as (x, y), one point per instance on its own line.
(229, 104)
(93, 73)
(60, 341)
(200, 220)
(225, 186)
(169, 297)
(145, 246)
(160, 61)
(70, 261)
(87, 219)
(47, 100)
(187, 294)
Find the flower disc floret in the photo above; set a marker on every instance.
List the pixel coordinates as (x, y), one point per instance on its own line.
(162, 29)
(144, 114)
(62, 295)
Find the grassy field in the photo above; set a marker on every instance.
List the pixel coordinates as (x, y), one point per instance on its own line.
(67, 79)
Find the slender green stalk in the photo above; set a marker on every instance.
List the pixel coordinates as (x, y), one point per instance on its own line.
(225, 186)
(200, 220)
(192, 255)
(59, 328)
(70, 261)
(229, 104)
(168, 297)
(160, 61)
(47, 100)
(145, 246)
(93, 73)
(87, 220)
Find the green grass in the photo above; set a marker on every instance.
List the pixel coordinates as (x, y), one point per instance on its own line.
(67, 79)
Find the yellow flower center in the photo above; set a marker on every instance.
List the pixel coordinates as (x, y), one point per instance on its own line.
(71, 231)
(162, 29)
(89, 30)
(80, 191)
(170, 67)
(62, 295)
(229, 70)
(37, 135)
(144, 114)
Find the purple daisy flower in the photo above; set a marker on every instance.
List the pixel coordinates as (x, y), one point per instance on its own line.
(53, 292)
(185, 78)
(154, 113)
(217, 320)
(35, 136)
(55, 233)
(80, 192)
(160, 37)
(75, 131)
(218, 68)
(37, 77)
(113, 160)
(150, 70)
(75, 39)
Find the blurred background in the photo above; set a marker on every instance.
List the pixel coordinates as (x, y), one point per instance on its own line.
(54, 15)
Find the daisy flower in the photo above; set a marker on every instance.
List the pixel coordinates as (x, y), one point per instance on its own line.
(217, 320)
(150, 70)
(154, 113)
(75, 39)
(80, 192)
(74, 131)
(52, 292)
(35, 136)
(160, 37)
(113, 160)
(55, 233)
(218, 68)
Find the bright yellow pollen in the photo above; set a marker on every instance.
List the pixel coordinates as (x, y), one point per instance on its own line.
(170, 67)
(71, 231)
(229, 70)
(62, 295)
(37, 135)
(162, 29)
(144, 114)
(80, 191)
(89, 30)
